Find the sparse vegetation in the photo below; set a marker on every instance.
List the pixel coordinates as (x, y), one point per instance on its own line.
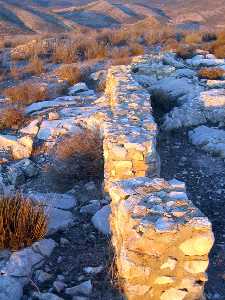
(185, 52)
(11, 117)
(26, 93)
(80, 155)
(21, 223)
(211, 73)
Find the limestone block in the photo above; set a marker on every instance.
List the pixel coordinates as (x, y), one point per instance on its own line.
(199, 245)
(173, 294)
(118, 152)
(196, 266)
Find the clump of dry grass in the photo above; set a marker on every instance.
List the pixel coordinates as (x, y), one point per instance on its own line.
(21, 223)
(80, 155)
(64, 52)
(211, 73)
(70, 73)
(193, 38)
(219, 50)
(26, 93)
(136, 49)
(11, 117)
(35, 66)
(185, 52)
(217, 47)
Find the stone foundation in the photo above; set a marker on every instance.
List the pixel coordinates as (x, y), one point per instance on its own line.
(160, 238)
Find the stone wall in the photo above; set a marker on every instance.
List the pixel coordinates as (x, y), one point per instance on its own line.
(160, 238)
(130, 136)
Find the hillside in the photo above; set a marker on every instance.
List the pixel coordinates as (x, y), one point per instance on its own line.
(40, 16)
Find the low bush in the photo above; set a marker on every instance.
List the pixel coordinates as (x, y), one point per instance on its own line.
(10, 118)
(26, 93)
(211, 73)
(81, 155)
(21, 223)
(185, 52)
(209, 37)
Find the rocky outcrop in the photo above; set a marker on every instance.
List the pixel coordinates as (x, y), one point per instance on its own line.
(161, 240)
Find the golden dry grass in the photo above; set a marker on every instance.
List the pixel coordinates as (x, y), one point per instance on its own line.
(35, 66)
(70, 73)
(211, 73)
(26, 93)
(21, 223)
(80, 155)
(11, 117)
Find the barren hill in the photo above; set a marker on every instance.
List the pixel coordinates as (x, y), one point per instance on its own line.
(61, 15)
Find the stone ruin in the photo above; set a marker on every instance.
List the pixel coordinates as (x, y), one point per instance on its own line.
(161, 239)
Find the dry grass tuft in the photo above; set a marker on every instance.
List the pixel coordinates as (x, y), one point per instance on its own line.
(35, 66)
(211, 73)
(10, 118)
(185, 52)
(80, 155)
(70, 73)
(21, 223)
(26, 93)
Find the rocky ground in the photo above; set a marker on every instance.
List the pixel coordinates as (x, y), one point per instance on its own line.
(204, 176)
(84, 255)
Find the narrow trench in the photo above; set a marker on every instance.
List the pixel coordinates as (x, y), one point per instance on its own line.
(204, 176)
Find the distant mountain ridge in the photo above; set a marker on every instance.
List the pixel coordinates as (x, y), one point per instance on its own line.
(41, 16)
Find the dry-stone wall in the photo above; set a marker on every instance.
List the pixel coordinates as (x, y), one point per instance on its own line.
(130, 137)
(161, 239)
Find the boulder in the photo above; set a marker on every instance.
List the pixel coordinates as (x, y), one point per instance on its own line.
(101, 220)
(18, 172)
(85, 289)
(78, 88)
(53, 129)
(31, 129)
(19, 147)
(58, 219)
(10, 288)
(56, 200)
